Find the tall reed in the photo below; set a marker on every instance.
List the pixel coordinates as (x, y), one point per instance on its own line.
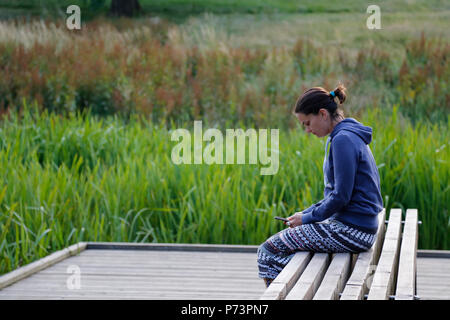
(85, 178)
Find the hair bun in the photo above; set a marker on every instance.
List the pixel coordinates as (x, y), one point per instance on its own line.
(340, 93)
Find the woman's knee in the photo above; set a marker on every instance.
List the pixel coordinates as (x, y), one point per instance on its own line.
(264, 253)
(261, 250)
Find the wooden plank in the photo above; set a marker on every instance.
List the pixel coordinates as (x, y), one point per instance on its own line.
(384, 278)
(432, 296)
(63, 290)
(433, 280)
(175, 257)
(445, 254)
(171, 247)
(199, 273)
(171, 257)
(40, 264)
(107, 294)
(177, 265)
(87, 285)
(151, 262)
(309, 281)
(160, 276)
(61, 268)
(138, 253)
(359, 281)
(353, 292)
(168, 267)
(286, 279)
(335, 277)
(135, 296)
(406, 279)
(433, 262)
(124, 293)
(194, 287)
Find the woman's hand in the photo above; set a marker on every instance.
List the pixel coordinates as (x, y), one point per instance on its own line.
(295, 220)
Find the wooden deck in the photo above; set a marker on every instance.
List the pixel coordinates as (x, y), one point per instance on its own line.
(433, 275)
(148, 272)
(135, 271)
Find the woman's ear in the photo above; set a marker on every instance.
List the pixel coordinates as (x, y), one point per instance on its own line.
(323, 113)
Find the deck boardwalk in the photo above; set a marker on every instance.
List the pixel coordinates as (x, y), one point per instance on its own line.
(147, 272)
(433, 275)
(135, 271)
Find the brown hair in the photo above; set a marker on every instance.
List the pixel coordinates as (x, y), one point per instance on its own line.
(314, 99)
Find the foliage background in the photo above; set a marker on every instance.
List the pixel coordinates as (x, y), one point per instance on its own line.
(87, 116)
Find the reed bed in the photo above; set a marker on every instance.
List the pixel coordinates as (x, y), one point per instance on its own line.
(86, 120)
(85, 178)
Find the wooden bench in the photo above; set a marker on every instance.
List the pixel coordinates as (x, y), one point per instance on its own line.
(386, 271)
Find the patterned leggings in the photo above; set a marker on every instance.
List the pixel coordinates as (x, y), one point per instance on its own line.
(331, 236)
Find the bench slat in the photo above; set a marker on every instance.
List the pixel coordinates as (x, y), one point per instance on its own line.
(384, 278)
(286, 279)
(322, 276)
(309, 281)
(335, 277)
(358, 284)
(406, 281)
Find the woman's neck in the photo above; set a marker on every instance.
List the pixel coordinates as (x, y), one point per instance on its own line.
(335, 122)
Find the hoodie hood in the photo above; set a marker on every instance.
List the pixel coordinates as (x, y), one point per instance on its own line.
(350, 124)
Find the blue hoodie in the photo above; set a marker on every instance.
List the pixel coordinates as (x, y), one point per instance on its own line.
(352, 184)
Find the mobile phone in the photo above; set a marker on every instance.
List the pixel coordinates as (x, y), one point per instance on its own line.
(282, 219)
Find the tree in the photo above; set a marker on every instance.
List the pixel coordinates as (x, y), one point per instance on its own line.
(125, 7)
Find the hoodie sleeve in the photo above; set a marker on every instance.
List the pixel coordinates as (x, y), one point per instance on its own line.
(345, 161)
(312, 207)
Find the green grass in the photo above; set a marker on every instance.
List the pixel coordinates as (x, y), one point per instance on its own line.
(69, 178)
(85, 178)
(345, 31)
(178, 10)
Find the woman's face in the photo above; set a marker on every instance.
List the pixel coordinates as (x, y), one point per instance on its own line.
(317, 124)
